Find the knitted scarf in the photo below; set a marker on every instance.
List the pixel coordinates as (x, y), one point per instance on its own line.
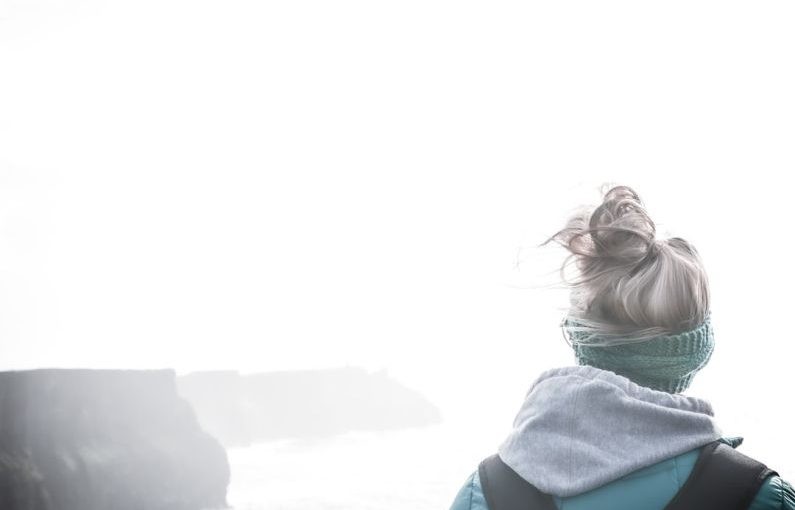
(665, 363)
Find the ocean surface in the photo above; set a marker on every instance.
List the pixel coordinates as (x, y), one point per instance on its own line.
(418, 468)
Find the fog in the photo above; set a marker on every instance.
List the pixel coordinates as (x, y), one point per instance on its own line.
(261, 186)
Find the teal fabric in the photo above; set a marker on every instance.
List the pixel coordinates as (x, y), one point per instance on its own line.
(650, 488)
(666, 362)
(470, 496)
(776, 493)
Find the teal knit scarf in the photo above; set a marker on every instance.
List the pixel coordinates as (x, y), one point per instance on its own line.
(665, 362)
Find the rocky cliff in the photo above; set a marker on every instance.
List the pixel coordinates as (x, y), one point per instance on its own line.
(104, 439)
(242, 409)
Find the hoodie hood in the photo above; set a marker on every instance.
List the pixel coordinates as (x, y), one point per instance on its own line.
(582, 427)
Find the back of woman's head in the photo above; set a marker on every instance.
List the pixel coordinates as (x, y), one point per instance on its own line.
(630, 285)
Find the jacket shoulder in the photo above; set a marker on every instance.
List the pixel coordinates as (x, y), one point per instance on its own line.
(651, 487)
(470, 495)
(775, 494)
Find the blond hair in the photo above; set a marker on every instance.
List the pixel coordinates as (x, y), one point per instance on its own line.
(631, 285)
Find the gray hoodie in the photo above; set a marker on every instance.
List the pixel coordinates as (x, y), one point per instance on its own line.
(581, 427)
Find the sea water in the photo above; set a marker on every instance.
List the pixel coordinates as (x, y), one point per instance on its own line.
(418, 468)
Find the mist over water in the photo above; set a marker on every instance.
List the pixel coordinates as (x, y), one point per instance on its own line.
(250, 187)
(420, 468)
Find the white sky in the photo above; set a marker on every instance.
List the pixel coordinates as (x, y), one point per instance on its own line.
(273, 185)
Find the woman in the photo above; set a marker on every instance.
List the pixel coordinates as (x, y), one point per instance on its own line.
(615, 432)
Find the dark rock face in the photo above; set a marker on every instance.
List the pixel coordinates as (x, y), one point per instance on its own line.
(102, 440)
(244, 409)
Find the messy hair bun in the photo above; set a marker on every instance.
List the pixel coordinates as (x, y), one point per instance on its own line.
(631, 286)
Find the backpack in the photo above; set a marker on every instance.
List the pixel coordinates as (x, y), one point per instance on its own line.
(722, 479)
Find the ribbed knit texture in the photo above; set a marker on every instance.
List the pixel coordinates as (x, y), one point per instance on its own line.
(665, 363)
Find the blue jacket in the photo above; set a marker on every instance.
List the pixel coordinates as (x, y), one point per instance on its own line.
(648, 488)
(594, 440)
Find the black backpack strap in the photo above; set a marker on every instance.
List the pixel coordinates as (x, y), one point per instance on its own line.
(722, 479)
(504, 489)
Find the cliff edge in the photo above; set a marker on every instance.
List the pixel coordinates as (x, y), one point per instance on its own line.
(242, 409)
(102, 439)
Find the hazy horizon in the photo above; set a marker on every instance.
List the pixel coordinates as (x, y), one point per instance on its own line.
(278, 186)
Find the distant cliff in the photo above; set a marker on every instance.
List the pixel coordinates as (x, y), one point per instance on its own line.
(104, 439)
(243, 409)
